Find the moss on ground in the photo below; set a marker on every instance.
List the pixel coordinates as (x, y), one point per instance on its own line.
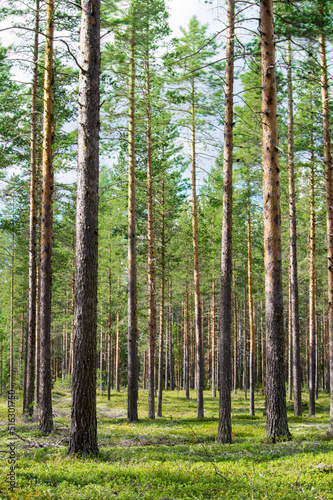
(171, 458)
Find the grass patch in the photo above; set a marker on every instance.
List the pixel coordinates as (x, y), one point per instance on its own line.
(173, 457)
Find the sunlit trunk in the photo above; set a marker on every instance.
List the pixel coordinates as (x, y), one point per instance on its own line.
(276, 421)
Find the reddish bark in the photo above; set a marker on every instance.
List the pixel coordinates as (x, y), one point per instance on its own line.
(276, 421)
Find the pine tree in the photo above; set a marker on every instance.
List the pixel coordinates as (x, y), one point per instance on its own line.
(224, 432)
(329, 191)
(83, 434)
(29, 386)
(294, 313)
(45, 402)
(276, 421)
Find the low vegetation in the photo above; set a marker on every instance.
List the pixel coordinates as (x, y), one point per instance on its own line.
(171, 458)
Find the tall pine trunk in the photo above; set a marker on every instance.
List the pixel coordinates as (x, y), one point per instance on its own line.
(224, 431)
(290, 344)
(171, 341)
(101, 356)
(45, 401)
(29, 388)
(117, 356)
(312, 285)
(151, 258)
(251, 318)
(109, 338)
(276, 420)
(263, 357)
(161, 338)
(132, 377)
(198, 334)
(187, 344)
(294, 316)
(245, 378)
(83, 433)
(213, 339)
(38, 331)
(11, 339)
(329, 206)
(236, 347)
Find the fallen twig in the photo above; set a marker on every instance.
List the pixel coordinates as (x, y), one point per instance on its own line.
(33, 444)
(36, 444)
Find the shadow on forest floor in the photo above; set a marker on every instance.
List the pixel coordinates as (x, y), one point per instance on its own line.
(174, 457)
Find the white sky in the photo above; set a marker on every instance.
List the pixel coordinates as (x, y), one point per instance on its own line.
(181, 12)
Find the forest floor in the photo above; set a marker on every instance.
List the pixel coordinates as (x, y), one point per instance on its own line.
(170, 458)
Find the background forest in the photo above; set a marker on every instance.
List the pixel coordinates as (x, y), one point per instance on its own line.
(162, 116)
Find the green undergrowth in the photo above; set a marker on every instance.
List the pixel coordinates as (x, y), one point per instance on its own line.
(173, 457)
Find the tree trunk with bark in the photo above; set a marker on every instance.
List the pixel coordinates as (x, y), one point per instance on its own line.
(236, 347)
(198, 334)
(213, 340)
(117, 360)
(11, 339)
(101, 356)
(224, 431)
(245, 378)
(329, 206)
(187, 345)
(45, 402)
(151, 258)
(171, 341)
(166, 367)
(290, 345)
(109, 339)
(132, 377)
(29, 388)
(251, 318)
(276, 420)
(312, 286)
(263, 357)
(293, 247)
(71, 356)
(327, 356)
(83, 432)
(38, 331)
(161, 338)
